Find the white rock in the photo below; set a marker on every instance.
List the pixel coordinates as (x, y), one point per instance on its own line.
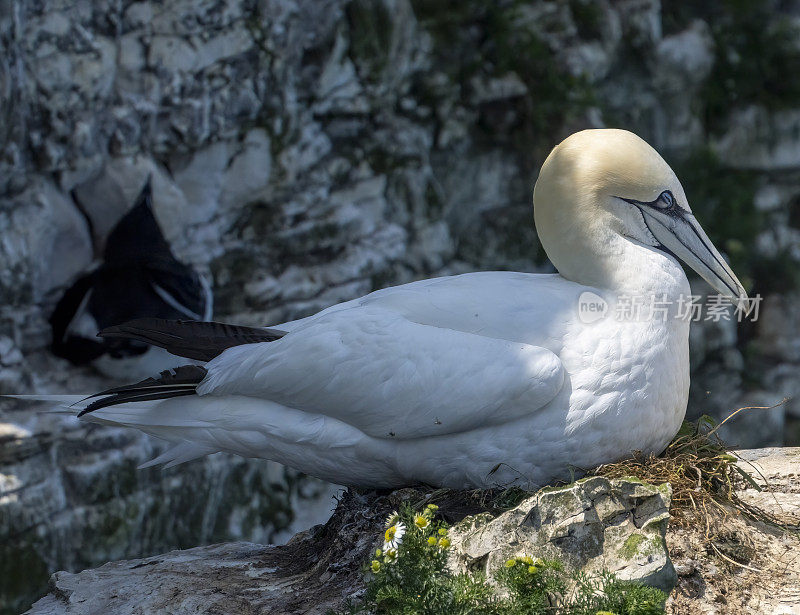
(684, 59)
(171, 53)
(498, 88)
(594, 524)
(756, 139)
(46, 242)
(248, 172)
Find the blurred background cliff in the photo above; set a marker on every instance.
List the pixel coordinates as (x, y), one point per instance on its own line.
(304, 152)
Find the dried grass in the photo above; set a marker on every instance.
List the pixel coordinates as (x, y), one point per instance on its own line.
(704, 475)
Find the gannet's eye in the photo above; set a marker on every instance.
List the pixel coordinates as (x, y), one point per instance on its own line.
(665, 200)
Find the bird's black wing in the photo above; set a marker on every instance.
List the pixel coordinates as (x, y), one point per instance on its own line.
(179, 287)
(201, 341)
(65, 344)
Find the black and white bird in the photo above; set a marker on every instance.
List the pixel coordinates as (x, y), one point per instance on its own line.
(139, 277)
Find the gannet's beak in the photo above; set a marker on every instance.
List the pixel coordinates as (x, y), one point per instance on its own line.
(679, 233)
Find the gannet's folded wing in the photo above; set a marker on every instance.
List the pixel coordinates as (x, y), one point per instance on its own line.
(390, 377)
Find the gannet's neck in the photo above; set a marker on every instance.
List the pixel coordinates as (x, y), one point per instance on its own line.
(627, 267)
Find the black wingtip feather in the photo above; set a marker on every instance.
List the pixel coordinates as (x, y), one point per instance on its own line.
(115, 400)
(170, 383)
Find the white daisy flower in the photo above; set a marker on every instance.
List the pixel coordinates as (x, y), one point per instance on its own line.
(393, 518)
(393, 537)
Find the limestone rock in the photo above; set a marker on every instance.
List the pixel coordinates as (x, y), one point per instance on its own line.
(758, 139)
(46, 243)
(593, 524)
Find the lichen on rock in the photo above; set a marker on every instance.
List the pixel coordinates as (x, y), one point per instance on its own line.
(593, 524)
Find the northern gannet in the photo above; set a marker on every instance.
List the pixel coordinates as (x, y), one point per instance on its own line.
(138, 277)
(473, 380)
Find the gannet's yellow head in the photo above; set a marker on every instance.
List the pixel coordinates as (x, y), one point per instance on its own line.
(604, 196)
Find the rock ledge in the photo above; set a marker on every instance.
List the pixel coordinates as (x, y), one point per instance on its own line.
(594, 523)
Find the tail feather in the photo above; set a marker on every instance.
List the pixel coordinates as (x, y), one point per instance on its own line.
(170, 422)
(180, 453)
(170, 383)
(64, 402)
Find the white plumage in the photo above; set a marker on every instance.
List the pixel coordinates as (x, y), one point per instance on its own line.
(479, 379)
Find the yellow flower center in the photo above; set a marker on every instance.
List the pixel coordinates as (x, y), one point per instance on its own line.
(390, 533)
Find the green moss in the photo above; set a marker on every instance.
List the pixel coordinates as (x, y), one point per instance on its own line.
(382, 279)
(756, 50)
(559, 488)
(473, 522)
(588, 18)
(23, 577)
(106, 486)
(370, 37)
(433, 201)
(269, 502)
(776, 274)
(631, 546)
(382, 161)
(476, 38)
(261, 216)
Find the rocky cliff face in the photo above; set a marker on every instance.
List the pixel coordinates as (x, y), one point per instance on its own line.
(618, 525)
(305, 152)
(71, 497)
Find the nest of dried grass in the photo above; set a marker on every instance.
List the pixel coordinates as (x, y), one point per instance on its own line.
(703, 472)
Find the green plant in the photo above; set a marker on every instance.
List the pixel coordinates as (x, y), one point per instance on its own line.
(408, 572)
(408, 575)
(607, 594)
(535, 585)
